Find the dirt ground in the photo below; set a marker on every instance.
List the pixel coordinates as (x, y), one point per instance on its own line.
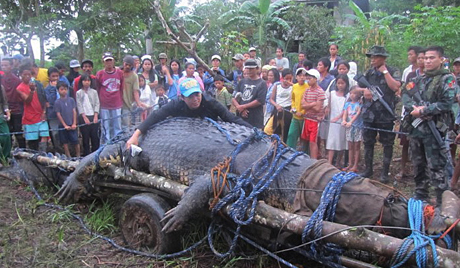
(32, 235)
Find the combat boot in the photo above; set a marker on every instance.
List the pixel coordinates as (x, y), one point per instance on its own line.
(368, 160)
(387, 154)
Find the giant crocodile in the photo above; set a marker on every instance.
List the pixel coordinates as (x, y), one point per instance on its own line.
(185, 150)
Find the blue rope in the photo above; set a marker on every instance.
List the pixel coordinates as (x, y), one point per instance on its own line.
(243, 196)
(326, 212)
(418, 239)
(447, 239)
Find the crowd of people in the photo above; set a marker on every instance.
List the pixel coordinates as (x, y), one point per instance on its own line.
(324, 109)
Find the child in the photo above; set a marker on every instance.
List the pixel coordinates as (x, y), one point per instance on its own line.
(34, 118)
(312, 103)
(145, 96)
(336, 138)
(298, 89)
(281, 99)
(352, 121)
(67, 114)
(88, 107)
(222, 94)
(52, 95)
(161, 98)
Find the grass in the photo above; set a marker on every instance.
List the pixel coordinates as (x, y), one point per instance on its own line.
(101, 218)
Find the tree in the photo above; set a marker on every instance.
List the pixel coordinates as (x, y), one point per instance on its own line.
(424, 26)
(24, 19)
(313, 31)
(262, 16)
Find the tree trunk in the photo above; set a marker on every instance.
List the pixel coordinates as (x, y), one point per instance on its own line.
(40, 34)
(80, 43)
(148, 43)
(42, 48)
(29, 48)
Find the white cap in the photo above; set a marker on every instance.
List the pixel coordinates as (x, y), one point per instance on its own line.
(314, 73)
(146, 57)
(216, 57)
(252, 49)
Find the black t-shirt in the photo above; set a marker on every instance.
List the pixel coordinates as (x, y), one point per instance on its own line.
(209, 107)
(253, 90)
(374, 111)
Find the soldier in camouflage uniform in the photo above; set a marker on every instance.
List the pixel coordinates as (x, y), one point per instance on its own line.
(437, 89)
(374, 113)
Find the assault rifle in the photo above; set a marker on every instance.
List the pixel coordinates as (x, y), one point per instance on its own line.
(377, 94)
(415, 95)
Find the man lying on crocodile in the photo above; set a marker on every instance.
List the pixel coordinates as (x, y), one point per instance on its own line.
(191, 103)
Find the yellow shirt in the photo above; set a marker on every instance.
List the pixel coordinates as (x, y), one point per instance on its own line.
(42, 76)
(297, 95)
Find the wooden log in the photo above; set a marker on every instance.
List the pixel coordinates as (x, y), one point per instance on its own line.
(345, 236)
(48, 161)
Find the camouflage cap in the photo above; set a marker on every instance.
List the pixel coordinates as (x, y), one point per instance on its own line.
(377, 51)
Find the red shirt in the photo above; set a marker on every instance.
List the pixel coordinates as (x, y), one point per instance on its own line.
(10, 82)
(33, 110)
(110, 88)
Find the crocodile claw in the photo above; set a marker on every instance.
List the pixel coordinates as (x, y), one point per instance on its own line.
(70, 190)
(173, 221)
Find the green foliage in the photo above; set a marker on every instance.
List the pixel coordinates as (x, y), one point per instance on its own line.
(232, 42)
(436, 26)
(261, 22)
(424, 26)
(101, 219)
(314, 30)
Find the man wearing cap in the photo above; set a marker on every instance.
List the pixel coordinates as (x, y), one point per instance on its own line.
(208, 79)
(87, 67)
(253, 55)
(236, 75)
(130, 91)
(374, 113)
(192, 103)
(159, 68)
(437, 88)
(110, 88)
(74, 71)
(15, 103)
(456, 69)
(253, 91)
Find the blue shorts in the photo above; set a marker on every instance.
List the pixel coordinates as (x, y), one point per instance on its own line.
(34, 131)
(68, 136)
